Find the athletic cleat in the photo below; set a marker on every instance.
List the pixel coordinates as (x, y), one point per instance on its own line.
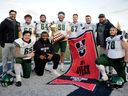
(46, 67)
(18, 83)
(55, 72)
(62, 68)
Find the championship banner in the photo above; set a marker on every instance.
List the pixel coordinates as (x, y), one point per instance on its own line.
(83, 71)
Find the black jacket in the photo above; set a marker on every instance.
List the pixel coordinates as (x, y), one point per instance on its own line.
(106, 33)
(43, 48)
(9, 31)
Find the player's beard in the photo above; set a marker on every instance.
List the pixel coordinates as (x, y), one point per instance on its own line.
(61, 20)
(28, 23)
(12, 18)
(113, 36)
(43, 21)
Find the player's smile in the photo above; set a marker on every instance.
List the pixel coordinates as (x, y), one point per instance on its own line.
(27, 37)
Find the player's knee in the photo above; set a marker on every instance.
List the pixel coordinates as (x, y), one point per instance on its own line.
(26, 76)
(39, 72)
(98, 62)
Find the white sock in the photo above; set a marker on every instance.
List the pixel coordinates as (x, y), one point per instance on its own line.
(46, 66)
(62, 65)
(55, 72)
(17, 68)
(102, 70)
(127, 64)
(18, 78)
(126, 71)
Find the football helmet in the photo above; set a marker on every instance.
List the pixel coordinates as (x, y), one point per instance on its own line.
(7, 80)
(117, 80)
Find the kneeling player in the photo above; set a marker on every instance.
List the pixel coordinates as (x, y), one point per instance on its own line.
(23, 55)
(44, 52)
(115, 55)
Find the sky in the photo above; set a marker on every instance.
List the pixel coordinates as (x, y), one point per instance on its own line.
(114, 10)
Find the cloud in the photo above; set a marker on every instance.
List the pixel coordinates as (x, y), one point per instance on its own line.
(120, 11)
(30, 11)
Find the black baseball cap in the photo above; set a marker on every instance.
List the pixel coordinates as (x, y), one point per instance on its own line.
(101, 16)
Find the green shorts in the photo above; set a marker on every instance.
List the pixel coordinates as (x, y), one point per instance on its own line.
(26, 66)
(60, 45)
(118, 64)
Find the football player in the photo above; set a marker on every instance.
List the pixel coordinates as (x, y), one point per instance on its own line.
(64, 28)
(42, 26)
(125, 35)
(75, 25)
(89, 25)
(115, 55)
(23, 55)
(28, 26)
(44, 52)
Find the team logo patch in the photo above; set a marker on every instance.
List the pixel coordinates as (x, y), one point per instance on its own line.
(81, 47)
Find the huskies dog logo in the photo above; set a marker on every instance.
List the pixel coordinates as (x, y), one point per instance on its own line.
(81, 47)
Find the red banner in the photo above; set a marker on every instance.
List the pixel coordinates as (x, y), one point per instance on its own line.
(83, 71)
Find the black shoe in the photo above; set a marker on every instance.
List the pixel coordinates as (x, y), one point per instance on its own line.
(18, 83)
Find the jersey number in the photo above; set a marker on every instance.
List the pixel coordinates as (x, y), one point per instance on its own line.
(61, 27)
(28, 29)
(111, 45)
(28, 50)
(74, 28)
(43, 26)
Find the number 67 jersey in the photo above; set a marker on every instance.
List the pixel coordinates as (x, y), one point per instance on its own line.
(114, 47)
(25, 48)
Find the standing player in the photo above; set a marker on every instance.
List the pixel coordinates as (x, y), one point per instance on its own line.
(64, 28)
(28, 26)
(42, 26)
(23, 55)
(75, 25)
(89, 25)
(115, 55)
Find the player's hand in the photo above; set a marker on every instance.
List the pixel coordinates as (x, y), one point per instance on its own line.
(31, 54)
(67, 36)
(42, 57)
(50, 56)
(126, 59)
